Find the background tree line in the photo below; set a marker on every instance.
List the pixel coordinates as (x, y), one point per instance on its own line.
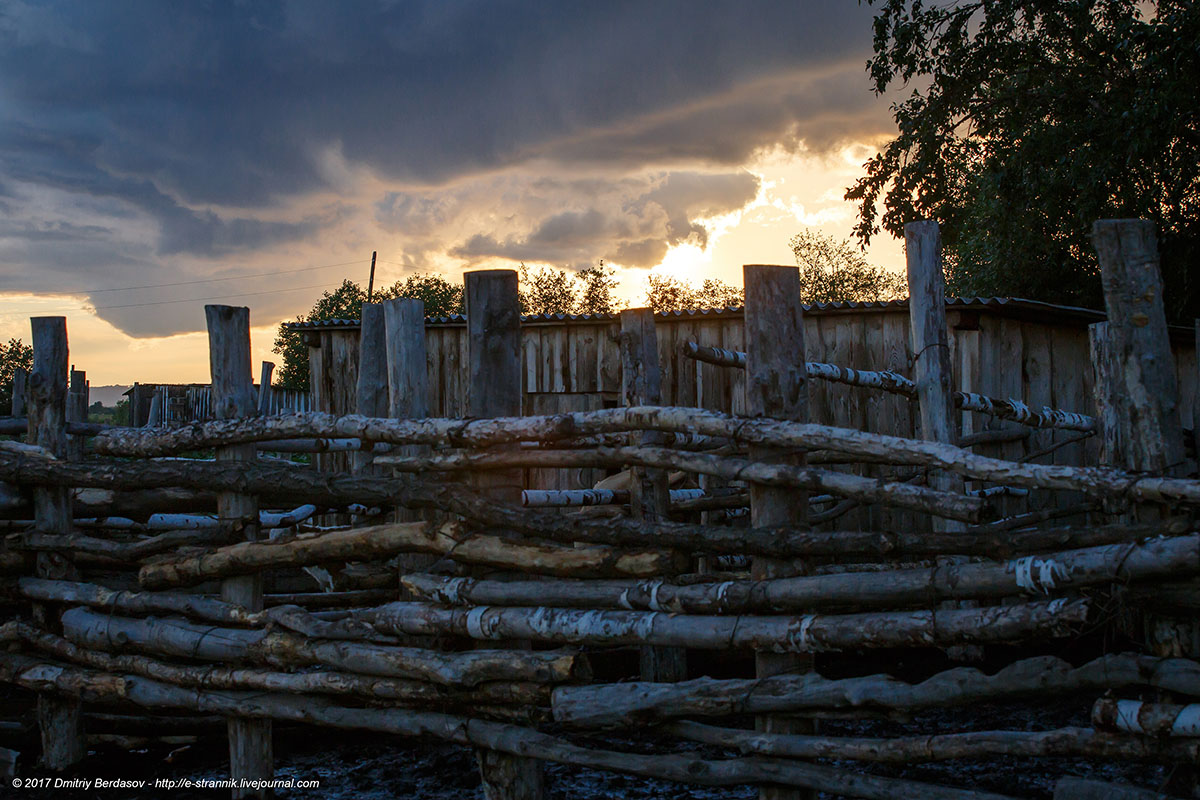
(830, 270)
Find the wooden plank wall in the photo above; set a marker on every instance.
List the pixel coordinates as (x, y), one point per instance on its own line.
(1044, 362)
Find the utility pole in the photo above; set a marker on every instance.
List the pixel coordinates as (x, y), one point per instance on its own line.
(371, 282)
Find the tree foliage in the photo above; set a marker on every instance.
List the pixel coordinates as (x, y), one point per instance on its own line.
(441, 298)
(664, 293)
(545, 290)
(12, 355)
(1028, 121)
(833, 271)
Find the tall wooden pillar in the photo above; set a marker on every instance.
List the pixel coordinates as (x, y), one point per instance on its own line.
(59, 719)
(641, 385)
(776, 387)
(494, 390)
(250, 751)
(931, 347)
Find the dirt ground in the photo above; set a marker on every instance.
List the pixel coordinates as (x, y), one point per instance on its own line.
(364, 766)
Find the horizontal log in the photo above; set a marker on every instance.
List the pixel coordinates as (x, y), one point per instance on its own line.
(568, 498)
(1007, 409)
(1060, 743)
(641, 703)
(529, 696)
(780, 634)
(210, 609)
(181, 639)
(1149, 719)
(898, 494)
(279, 484)
(1097, 482)
(131, 551)
(42, 675)
(449, 539)
(1035, 575)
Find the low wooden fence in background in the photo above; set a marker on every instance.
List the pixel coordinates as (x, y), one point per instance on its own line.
(453, 608)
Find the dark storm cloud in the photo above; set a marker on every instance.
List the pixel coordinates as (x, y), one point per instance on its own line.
(630, 221)
(207, 123)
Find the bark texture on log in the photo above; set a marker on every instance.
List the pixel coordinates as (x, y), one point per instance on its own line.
(1060, 743)
(641, 703)
(48, 676)
(781, 634)
(1030, 575)
(1096, 482)
(450, 539)
(181, 639)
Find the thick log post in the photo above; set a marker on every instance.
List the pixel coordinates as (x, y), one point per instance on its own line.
(264, 388)
(650, 496)
(1147, 420)
(776, 386)
(77, 403)
(494, 390)
(371, 397)
(931, 346)
(60, 719)
(406, 387)
(1137, 327)
(250, 751)
(931, 364)
(19, 387)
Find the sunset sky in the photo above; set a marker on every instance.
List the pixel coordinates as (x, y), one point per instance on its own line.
(149, 143)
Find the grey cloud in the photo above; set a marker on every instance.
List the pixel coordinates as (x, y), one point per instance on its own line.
(630, 222)
(185, 133)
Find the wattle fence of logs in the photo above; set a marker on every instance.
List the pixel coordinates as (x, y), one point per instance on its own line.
(168, 575)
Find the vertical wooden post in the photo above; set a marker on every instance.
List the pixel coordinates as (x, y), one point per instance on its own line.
(777, 387)
(407, 367)
(650, 495)
(1106, 387)
(494, 390)
(60, 719)
(19, 388)
(407, 392)
(1147, 420)
(931, 348)
(371, 394)
(250, 753)
(264, 388)
(1137, 327)
(77, 399)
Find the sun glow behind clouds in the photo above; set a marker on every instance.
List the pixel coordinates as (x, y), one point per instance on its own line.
(797, 190)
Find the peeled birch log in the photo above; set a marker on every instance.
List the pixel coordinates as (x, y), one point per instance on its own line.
(528, 695)
(780, 634)
(1061, 743)
(901, 495)
(45, 676)
(1154, 558)
(182, 639)
(196, 607)
(641, 703)
(379, 541)
(1097, 482)
(1008, 409)
(1149, 719)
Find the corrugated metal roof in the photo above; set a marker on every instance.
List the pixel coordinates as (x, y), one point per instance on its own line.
(1015, 304)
